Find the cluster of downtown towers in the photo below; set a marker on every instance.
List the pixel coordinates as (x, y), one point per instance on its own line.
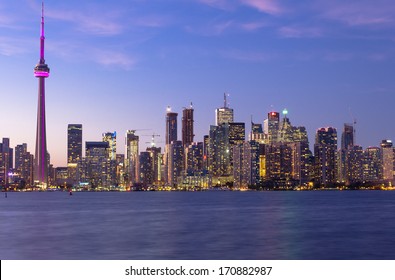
(276, 155)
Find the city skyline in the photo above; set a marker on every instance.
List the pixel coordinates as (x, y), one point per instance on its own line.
(327, 69)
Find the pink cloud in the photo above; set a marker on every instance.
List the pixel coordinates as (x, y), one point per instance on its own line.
(360, 13)
(300, 32)
(265, 6)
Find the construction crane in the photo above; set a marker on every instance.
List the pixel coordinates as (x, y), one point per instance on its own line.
(153, 135)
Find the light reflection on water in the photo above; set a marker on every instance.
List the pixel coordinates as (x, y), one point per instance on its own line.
(204, 225)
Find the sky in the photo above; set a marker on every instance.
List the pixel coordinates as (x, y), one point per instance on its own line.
(117, 65)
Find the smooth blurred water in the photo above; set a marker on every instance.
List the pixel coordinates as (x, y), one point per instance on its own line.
(199, 225)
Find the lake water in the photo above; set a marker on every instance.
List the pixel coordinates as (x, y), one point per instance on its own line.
(198, 225)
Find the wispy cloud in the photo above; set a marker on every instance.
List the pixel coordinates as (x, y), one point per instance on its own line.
(219, 4)
(252, 26)
(359, 13)
(14, 46)
(213, 28)
(154, 21)
(300, 32)
(96, 23)
(266, 6)
(113, 58)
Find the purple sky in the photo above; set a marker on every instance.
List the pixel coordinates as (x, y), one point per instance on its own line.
(117, 65)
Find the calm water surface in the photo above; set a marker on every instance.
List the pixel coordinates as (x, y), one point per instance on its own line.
(203, 225)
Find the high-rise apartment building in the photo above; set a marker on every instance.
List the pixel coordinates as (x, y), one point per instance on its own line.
(111, 139)
(246, 164)
(325, 148)
(74, 151)
(187, 126)
(6, 155)
(372, 165)
(175, 162)
(278, 163)
(387, 159)
(194, 158)
(146, 170)
(24, 165)
(219, 163)
(131, 156)
(354, 164)
(99, 171)
(157, 160)
(171, 126)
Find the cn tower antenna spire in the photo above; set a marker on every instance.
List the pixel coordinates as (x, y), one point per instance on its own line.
(42, 37)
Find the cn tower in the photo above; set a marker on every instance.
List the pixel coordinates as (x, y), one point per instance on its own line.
(41, 71)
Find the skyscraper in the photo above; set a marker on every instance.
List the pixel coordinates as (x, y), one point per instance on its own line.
(387, 159)
(155, 154)
(99, 172)
(5, 161)
(171, 126)
(354, 165)
(372, 166)
(74, 143)
(224, 114)
(131, 156)
(194, 158)
(187, 126)
(347, 136)
(146, 171)
(175, 164)
(271, 126)
(24, 165)
(111, 139)
(41, 71)
(325, 148)
(219, 163)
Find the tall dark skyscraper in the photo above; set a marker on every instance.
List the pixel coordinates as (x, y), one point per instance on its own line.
(187, 126)
(171, 126)
(131, 156)
(41, 71)
(5, 161)
(347, 137)
(325, 148)
(74, 143)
